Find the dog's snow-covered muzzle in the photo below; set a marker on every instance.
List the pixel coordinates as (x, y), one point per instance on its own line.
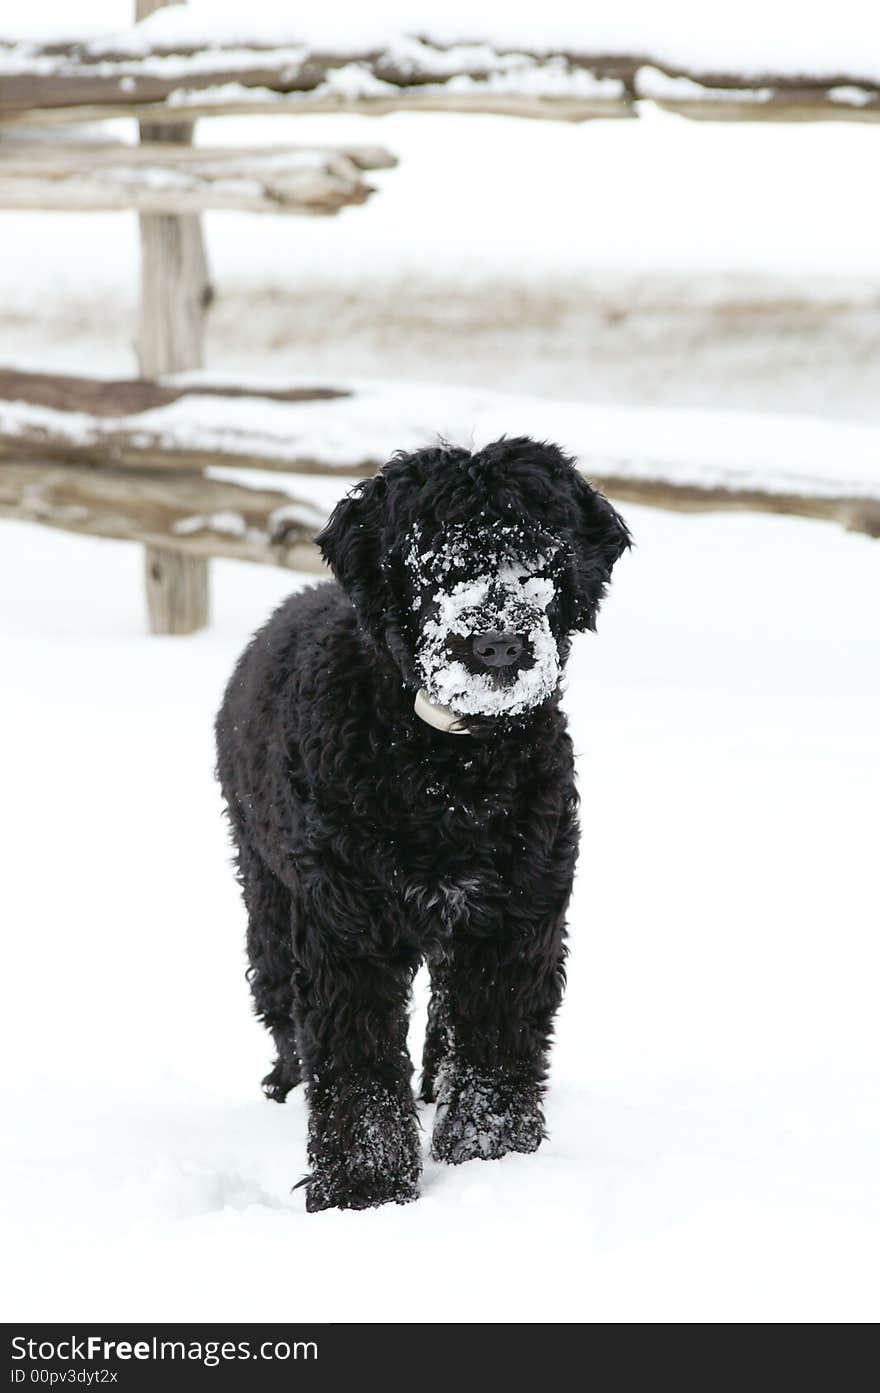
(512, 601)
(470, 588)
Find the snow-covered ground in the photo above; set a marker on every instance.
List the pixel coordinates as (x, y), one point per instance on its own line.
(714, 1104)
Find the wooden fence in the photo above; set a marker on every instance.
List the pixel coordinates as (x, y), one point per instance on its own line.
(167, 463)
(76, 454)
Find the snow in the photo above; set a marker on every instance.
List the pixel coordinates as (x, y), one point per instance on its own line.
(225, 521)
(652, 83)
(297, 514)
(224, 94)
(714, 1101)
(551, 78)
(759, 36)
(850, 96)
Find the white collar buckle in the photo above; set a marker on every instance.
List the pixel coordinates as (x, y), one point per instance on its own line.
(440, 717)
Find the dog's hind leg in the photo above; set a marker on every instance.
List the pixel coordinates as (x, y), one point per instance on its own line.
(437, 1037)
(270, 972)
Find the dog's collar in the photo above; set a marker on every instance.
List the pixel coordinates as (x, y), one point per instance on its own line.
(440, 717)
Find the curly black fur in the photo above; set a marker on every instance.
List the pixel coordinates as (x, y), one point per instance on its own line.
(369, 842)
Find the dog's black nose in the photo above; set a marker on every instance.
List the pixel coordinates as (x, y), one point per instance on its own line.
(496, 649)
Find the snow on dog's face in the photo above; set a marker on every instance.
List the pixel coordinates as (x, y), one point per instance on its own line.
(484, 601)
(472, 571)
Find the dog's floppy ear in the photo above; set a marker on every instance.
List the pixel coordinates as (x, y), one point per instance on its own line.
(351, 544)
(599, 538)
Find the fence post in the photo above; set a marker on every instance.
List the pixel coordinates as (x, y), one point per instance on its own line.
(175, 294)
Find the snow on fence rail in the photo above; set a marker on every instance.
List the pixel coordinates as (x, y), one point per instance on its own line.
(160, 72)
(196, 516)
(158, 177)
(166, 463)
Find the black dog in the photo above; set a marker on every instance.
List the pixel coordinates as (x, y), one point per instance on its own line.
(374, 833)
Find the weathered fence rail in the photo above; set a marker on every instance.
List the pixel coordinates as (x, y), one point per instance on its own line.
(164, 80)
(190, 514)
(162, 177)
(127, 459)
(168, 425)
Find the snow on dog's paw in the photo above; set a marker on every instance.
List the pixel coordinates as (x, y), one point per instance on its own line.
(338, 1187)
(374, 1160)
(483, 1116)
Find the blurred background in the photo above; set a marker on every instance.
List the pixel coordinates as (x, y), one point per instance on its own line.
(651, 261)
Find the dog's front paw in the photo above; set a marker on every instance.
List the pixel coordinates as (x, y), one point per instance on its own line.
(483, 1116)
(281, 1079)
(364, 1150)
